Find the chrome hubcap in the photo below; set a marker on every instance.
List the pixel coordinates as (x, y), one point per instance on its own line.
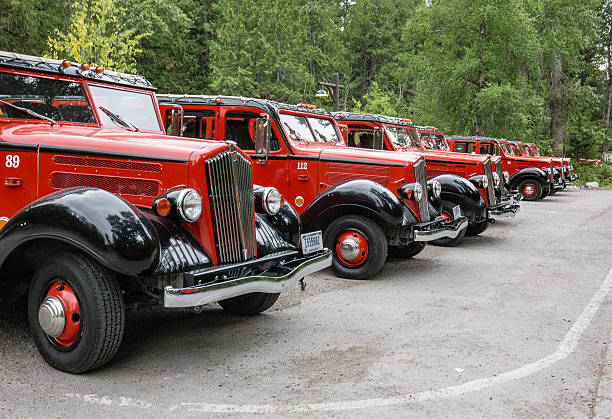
(349, 249)
(529, 190)
(52, 317)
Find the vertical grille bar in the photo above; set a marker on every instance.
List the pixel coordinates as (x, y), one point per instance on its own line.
(552, 174)
(420, 176)
(500, 172)
(490, 188)
(231, 200)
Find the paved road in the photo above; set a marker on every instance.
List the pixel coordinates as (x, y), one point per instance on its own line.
(513, 323)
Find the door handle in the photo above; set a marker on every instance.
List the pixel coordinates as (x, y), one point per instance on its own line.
(13, 182)
(302, 178)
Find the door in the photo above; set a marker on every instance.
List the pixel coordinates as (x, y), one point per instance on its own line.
(18, 178)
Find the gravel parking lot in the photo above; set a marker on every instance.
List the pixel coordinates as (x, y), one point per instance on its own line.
(515, 322)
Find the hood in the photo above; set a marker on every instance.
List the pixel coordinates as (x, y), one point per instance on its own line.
(365, 156)
(107, 140)
(449, 155)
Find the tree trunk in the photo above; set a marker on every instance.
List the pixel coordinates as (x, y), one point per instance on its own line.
(556, 105)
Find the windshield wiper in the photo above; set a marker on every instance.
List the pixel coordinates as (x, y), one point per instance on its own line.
(29, 112)
(119, 120)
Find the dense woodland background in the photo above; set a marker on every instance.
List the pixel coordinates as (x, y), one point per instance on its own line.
(521, 69)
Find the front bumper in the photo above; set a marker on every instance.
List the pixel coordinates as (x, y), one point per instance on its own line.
(508, 207)
(278, 278)
(439, 229)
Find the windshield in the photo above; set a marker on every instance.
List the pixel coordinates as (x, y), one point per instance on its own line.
(309, 129)
(399, 136)
(507, 149)
(55, 99)
(134, 108)
(535, 150)
(525, 150)
(434, 141)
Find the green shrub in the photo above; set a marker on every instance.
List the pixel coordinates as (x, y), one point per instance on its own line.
(601, 174)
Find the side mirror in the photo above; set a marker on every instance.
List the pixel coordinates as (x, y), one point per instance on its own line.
(176, 122)
(378, 140)
(262, 134)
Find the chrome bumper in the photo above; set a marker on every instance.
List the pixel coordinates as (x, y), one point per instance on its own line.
(509, 206)
(429, 232)
(289, 275)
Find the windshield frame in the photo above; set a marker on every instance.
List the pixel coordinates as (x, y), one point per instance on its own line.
(414, 144)
(308, 116)
(98, 111)
(507, 149)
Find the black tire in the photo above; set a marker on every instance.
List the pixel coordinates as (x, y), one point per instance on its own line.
(447, 208)
(537, 186)
(101, 317)
(477, 228)
(375, 238)
(545, 192)
(407, 252)
(249, 304)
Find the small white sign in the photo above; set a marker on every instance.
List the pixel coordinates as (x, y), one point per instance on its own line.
(456, 212)
(312, 242)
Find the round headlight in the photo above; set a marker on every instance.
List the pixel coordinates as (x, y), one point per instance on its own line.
(189, 205)
(506, 177)
(485, 182)
(436, 188)
(418, 191)
(496, 178)
(272, 201)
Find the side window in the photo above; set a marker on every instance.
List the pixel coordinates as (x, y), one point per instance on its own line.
(239, 127)
(471, 148)
(486, 148)
(361, 139)
(461, 147)
(195, 123)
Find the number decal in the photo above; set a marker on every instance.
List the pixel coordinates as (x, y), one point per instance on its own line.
(12, 161)
(302, 165)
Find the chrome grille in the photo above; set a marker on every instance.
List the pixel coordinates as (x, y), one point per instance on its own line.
(420, 176)
(231, 201)
(500, 172)
(552, 172)
(490, 188)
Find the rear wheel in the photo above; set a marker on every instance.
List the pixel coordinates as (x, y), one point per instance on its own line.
(447, 213)
(531, 189)
(76, 313)
(249, 304)
(359, 245)
(407, 252)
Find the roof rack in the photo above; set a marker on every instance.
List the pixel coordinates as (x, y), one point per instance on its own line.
(353, 116)
(65, 67)
(264, 104)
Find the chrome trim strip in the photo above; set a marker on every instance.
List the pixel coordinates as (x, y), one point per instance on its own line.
(204, 294)
(450, 230)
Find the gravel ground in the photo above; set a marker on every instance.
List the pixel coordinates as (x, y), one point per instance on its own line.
(515, 322)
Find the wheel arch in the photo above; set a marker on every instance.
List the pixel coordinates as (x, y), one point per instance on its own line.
(527, 173)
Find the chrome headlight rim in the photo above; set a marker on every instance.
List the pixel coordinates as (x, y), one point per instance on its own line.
(436, 188)
(496, 179)
(271, 200)
(485, 182)
(418, 191)
(185, 202)
(506, 177)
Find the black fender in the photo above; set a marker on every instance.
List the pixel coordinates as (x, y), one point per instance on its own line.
(462, 192)
(359, 196)
(528, 172)
(287, 222)
(102, 225)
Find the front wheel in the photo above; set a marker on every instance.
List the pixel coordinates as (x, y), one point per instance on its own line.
(531, 189)
(359, 245)
(76, 313)
(447, 213)
(476, 229)
(249, 304)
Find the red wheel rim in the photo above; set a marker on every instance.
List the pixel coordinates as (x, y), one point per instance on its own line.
(449, 219)
(529, 190)
(68, 298)
(352, 248)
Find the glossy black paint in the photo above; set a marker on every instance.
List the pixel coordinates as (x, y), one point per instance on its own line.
(462, 192)
(287, 222)
(106, 227)
(358, 196)
(269, 239)
(528, 172)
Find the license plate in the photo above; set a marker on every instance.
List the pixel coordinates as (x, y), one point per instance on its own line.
(456, 212)
(312, 242)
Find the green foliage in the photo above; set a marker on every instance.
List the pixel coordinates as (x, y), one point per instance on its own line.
(97, 37)
(601, 174)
